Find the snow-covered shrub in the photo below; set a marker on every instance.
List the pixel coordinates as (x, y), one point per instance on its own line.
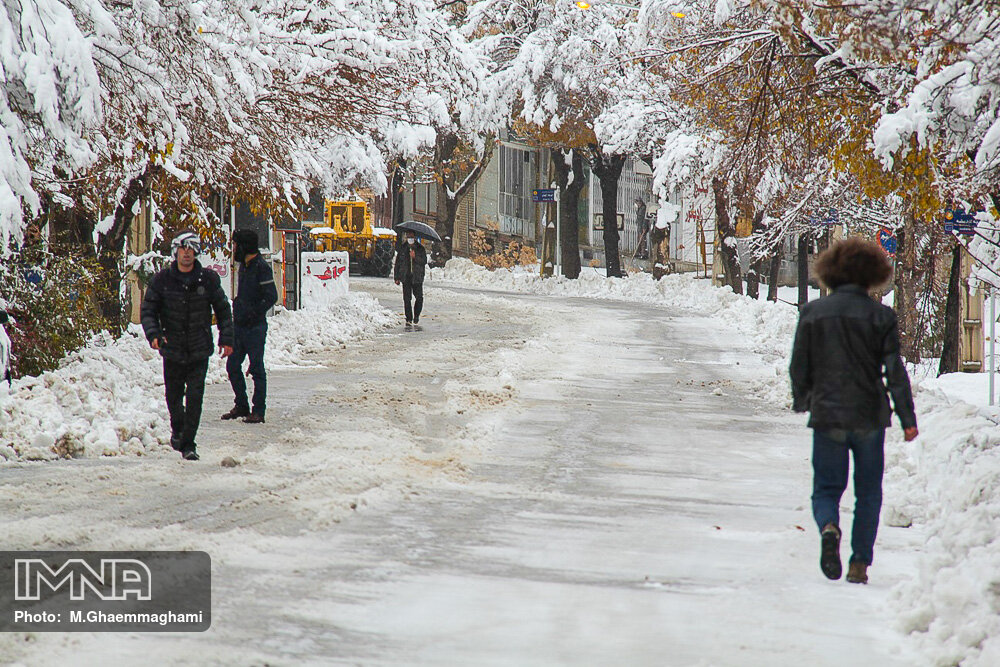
(52, 301)
(493, 254)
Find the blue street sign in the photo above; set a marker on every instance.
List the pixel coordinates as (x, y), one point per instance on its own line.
(959, 221)
(887, 240)
(825, 218)
(547, 194)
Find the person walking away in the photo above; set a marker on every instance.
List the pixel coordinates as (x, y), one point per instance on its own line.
(409, 271)
(255, 295)
(845, 344)
(176, 315)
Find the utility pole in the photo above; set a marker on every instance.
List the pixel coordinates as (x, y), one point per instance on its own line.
(993, 344)
(803, 269)
(558, 258)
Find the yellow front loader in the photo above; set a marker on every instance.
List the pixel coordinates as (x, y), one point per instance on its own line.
(347, 226)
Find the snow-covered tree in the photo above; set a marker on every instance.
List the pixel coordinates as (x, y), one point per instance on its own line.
(560, 67)
(263, 100)
(49, 100)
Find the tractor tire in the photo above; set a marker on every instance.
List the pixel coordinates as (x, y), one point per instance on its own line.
(358, 266)
(382, 260)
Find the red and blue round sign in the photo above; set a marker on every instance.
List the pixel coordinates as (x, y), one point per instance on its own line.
(887, 239)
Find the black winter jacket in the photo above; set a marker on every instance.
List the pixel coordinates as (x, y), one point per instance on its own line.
(844, 344)
(255, 294)
(178, 308)
(410, 270)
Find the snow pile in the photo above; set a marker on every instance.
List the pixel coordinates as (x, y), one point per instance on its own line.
(102, 401)
(294, 335)
(769, 326)
(948, 480)
(107, 399)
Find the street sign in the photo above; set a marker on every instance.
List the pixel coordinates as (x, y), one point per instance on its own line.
(824, 218)
(546, 194)
(958, 221)
(887, 239)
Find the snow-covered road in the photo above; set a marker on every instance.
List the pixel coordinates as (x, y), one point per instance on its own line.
(525, 481)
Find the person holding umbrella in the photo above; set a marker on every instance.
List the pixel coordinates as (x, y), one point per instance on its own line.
(411, 261)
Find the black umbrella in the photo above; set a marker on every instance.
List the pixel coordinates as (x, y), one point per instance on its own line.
(421, 229)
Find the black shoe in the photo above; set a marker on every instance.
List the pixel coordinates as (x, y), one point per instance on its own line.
(236, 413)
(416, 320)
(175, 442)
(191, 455)
(253, 418)
(829, 559)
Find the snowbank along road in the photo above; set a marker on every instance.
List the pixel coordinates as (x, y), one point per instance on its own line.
(522, 481)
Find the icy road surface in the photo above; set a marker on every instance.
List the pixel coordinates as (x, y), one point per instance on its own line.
(523, 481)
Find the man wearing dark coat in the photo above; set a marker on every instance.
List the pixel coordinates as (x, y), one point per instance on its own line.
(411, 261)
(256, 293)
(845, 364)
(177, 321)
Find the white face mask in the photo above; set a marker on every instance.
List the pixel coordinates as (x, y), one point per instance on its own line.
(411, 240)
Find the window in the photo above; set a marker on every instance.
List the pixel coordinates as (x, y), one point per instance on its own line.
(515, 182)
(425, 198)
(419, 198)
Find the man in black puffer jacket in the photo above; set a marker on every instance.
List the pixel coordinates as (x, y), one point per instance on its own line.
(255, 295)
(844, 344)
(177, 320)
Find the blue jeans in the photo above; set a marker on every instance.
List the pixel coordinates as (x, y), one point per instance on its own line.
(249, 342)
(831, 451)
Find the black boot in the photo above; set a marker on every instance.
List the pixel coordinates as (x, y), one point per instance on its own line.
(829, 559)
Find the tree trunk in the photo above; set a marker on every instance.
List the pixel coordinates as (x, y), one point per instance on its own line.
(803, 269)
(569, 206)
(451, 191)
(727, 234)
(642, 226)
(444, 225)
(774, 273)
(445, 147)
(660, 240)
(111, 246)
(608, 170)
(398, 193)
(952, 315)
(757, 263)
(906, 291)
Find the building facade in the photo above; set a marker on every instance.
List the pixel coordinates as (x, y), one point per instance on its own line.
(499, 208)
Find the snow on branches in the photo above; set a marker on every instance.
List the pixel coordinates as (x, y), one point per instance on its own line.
(257, 98)
(49, 101)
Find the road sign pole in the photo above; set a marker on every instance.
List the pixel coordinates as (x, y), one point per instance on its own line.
(558, 258)
(993, 342)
